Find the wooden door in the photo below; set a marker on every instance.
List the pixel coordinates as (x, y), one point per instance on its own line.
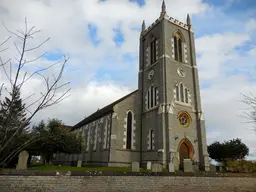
(184, 153)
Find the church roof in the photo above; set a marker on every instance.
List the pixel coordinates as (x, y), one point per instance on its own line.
(102, 112)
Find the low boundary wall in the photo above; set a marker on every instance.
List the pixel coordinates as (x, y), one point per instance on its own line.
(83, 181)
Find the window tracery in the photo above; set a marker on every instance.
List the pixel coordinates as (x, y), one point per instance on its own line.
(151, 51)
(178, 41)
(151, 97)
(181, 93)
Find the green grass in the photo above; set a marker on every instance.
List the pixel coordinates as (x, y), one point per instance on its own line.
(70, 168)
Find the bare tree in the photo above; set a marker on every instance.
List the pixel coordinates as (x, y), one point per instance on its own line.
(250, 114)
(19, 74)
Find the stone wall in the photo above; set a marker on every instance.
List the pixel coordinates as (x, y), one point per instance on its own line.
(125, 183)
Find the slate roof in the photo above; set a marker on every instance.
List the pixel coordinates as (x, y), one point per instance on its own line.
(67, 126)
(102, 112)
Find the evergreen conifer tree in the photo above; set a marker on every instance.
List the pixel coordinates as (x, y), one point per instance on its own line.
(13, 122)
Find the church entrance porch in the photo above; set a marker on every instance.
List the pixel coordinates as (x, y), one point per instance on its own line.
(186, 151)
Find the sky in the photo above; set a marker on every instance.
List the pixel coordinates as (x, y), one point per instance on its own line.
(101, 38)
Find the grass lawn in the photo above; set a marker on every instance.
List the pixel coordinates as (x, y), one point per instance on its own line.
(114, 169)
(70, 168)
(73, 168)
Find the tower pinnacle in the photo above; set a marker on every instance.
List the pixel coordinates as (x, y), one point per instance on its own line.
(188, 20)
(163, 7)
(163, 12)
(143, 28)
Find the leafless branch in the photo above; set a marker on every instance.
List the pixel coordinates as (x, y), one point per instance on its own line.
(21, 147)
(48, 97)
(3, 63)
(31, 49)
(4, 49)
(21, 32)
(250, 113)
(40, 70)
(15, 34)
(5, 41)
(7, 75)
(31, 34)
(33, 60)
(17, 48)
(32, 28)
(28, 97)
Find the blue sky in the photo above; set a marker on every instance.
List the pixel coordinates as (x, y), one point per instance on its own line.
(102, 40)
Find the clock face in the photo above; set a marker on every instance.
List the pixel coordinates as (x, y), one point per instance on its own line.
(151, 74)
(181, 72)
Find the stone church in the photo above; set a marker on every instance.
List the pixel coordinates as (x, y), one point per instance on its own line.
(160, 122)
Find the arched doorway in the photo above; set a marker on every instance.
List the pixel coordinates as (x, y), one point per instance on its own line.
(186, 151)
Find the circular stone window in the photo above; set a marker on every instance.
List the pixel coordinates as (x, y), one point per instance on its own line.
(184, 118)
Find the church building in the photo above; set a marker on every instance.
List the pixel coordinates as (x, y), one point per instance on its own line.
(162, 121)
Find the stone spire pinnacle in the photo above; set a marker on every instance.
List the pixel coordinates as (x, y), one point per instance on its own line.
(188, 20)
(163, 12)
(143, 28)
(163, 7)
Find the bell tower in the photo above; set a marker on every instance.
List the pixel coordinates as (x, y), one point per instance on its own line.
(172, 123)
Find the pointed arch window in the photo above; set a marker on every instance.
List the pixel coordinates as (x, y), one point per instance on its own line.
(151, 97)
(175, 48)
(177, 93)
(151, 139)
(129, 131)
(153, 50)
(181, 93)
(186, 95)
(178, 42)
(148, 103)
(180, 50)
(155, 95)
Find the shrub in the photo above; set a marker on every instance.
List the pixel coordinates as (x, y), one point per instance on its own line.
(241, 166)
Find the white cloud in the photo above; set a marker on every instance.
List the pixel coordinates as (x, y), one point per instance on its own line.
(84, 101)
(215, 50)
(251, 25)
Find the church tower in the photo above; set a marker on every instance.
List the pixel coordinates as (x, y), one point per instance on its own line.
(172, 122)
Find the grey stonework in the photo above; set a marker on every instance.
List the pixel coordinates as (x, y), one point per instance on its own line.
(135, 167)
(125, 183)
(23, 160)
(171, 167)
(106, 129)
(188, 167)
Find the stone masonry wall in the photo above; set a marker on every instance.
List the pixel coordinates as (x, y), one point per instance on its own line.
(125, 183)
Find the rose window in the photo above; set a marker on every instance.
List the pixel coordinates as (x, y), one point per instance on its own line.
(184, 118)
